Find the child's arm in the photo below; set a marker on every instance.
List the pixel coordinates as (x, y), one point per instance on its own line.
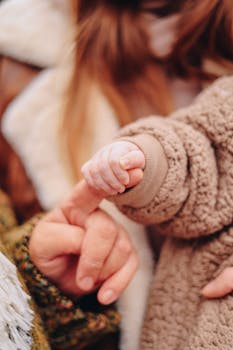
(81, 248)
(187, 187)
(195, 196)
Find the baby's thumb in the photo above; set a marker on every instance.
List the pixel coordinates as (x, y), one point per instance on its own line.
(135, 176)
(133, 160)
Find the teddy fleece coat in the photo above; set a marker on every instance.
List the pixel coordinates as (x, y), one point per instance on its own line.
(193, 207)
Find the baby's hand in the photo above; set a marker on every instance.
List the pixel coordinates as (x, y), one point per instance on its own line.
(115, 167)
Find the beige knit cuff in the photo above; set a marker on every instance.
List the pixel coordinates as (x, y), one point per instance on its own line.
(154, 173)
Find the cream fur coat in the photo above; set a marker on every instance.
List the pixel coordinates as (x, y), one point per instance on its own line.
(42, 33)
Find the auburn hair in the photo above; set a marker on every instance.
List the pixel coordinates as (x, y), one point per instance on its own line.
(113, 53)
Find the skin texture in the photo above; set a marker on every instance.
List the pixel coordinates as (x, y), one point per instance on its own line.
(81, 248)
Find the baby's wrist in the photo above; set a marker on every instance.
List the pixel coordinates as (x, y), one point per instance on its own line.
(154, 173)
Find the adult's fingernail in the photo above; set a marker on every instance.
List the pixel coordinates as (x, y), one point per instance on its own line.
(108, 296)
(86, 283)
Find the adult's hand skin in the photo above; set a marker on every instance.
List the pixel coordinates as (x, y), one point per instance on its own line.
(81, 248)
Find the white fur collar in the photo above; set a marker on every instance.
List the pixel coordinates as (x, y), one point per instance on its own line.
(31, 125)
(35, 31)
(41, 32)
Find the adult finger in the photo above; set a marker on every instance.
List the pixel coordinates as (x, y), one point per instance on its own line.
(52, 248)
(118, 256)
(220, 286)
(50, 240)
(117, 283)
(58, 259)
(101, 233)
(77, 206)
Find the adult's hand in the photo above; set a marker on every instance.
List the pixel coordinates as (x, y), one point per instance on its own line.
(81, 248)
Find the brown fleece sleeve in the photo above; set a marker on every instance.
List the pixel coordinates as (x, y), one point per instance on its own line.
(195, 196)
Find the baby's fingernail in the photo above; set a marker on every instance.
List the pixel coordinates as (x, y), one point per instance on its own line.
(86, 283)
(126, 180)
(124, 163)
(122, 190)
(108, 296)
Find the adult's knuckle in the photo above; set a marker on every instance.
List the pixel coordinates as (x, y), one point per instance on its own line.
(105, 233)
(75, 243)
(124, 247)
(108, 229)
(94, 262)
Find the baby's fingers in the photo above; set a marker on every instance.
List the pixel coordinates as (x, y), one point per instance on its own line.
(111, 290)
(220, 286)
(118, 151)
(107, 173)
(92, 174)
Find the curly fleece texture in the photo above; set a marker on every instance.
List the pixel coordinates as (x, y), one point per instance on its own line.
(194, 209)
